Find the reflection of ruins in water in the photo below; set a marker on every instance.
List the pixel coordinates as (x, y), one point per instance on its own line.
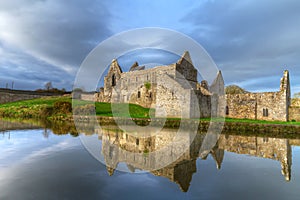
(116, 144)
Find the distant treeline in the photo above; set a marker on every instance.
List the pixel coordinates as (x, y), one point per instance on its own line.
(53, 90)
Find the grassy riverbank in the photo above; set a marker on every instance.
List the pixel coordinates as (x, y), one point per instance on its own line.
(35, 108)
(59, 108)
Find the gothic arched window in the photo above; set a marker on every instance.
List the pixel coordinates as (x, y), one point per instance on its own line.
(113, 80)
(265, 112)
(227, 110)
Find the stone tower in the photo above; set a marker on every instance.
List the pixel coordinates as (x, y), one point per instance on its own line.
(186, 74)
(286, 91)
(217, 87)
(110, 80)
(218, 102)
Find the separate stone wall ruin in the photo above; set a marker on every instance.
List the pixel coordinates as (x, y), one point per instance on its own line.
(7, 96)
(261, 106)
(294, 110)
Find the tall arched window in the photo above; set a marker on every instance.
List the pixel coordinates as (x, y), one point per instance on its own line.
(265, 112)
(227, 110)
(113, 80)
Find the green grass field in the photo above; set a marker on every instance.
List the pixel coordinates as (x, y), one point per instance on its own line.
(33, 102)
(32, 109)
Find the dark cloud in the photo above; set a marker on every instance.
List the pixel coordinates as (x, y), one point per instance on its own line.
(249, 39)
(54, 36)
(252, 42)
(28, 72)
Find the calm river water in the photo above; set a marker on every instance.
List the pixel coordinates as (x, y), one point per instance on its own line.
(38, 163)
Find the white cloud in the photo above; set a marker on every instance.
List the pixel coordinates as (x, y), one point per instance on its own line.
(57, 33)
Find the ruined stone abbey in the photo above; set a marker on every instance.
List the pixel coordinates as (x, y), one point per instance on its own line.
(174, 91)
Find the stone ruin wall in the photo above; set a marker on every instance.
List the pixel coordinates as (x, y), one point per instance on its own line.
(6, 97)
(115, 71)
(295, 102)
(87, 97)
(16, 95)
(276, 104)
(175, 99)
(294, 110)
(133, 86)
(204, 102)
(262, 106)
(251, 105)
(169, 92)
(241, 106)
(130, 84)
(171, 98)
(186, 74)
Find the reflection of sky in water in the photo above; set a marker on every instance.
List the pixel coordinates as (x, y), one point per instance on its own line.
(25, 145)
(57, 167)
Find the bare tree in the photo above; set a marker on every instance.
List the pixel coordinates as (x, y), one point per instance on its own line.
(48, 85)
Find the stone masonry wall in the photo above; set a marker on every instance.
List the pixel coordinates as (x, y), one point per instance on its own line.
(295, 102)
(275, 103)
(88, 97)
(241, 106)
(173, 90)
(12, 96)
(251, 106)
(204, 104)
(294, 110)
(171, 98)
(262, 106)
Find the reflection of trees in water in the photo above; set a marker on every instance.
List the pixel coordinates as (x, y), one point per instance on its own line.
(66, 127)
(57, 127)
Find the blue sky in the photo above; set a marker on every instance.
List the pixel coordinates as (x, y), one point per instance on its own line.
(252, 42)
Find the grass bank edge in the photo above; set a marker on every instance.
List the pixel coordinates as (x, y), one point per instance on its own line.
(32, 109)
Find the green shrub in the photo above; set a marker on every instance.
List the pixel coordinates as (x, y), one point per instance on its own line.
(62, 107)
(147, 85)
